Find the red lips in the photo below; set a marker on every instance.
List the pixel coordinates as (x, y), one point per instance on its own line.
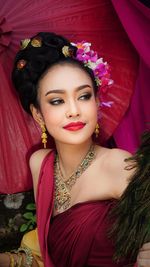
(74, 126)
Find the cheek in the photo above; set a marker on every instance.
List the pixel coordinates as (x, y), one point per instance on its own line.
(51, 115)
(92, 110)
(52, 118)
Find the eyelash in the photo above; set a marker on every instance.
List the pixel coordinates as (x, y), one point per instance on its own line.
(86, 96)
(59, 101)
(56, 102)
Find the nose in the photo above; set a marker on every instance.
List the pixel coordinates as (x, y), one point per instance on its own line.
(73, 110)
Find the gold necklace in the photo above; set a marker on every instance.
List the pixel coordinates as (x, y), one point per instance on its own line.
(63, 188)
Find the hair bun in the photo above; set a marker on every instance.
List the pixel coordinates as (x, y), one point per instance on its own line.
(52, 40)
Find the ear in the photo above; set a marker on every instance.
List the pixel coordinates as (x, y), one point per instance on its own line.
(36, 114)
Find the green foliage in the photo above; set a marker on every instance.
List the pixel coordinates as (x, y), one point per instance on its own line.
(30, 217)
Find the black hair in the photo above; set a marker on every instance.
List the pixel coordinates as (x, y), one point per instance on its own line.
(131, 214)
(37, 61)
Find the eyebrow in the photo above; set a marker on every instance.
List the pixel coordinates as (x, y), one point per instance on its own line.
(61, 91)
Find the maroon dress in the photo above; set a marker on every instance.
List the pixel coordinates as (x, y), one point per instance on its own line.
(78, 237)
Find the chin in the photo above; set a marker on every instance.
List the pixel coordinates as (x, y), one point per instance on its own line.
(74, 140)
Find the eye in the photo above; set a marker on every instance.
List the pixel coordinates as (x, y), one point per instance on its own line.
(86, 96)
(56, 101)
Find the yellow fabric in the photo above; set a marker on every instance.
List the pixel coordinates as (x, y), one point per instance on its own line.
(31, 241)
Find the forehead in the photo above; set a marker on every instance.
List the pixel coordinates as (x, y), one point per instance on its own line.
(64, 77)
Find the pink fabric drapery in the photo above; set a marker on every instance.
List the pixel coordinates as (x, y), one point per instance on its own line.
(135, 18)
(94, 21)
(14, 144)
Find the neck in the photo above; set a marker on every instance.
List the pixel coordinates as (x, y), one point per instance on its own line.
(70, 156)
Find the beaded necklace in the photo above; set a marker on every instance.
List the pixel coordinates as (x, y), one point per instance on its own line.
(62, 186)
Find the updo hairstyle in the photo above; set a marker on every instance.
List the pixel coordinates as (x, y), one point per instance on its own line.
(37, 61)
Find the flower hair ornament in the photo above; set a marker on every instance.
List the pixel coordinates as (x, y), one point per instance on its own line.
(90, 59)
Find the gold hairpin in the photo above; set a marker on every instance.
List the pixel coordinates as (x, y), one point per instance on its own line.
(24, 43)
(67, 51)
(21, 63)
(36, 42)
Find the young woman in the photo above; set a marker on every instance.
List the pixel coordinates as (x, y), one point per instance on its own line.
(77, 183)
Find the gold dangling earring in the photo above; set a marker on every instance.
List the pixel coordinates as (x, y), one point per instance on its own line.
(97, 130)
(44, 135)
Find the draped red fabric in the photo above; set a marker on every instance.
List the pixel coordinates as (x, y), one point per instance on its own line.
(17, 134)
(81, 233)
(45, 205)
(94, 21)
(135, 18)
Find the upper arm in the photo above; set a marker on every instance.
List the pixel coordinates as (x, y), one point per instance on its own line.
(35, 163)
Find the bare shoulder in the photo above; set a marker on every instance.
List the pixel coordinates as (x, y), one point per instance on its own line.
(118, 169)
(35, 163)
(37, 158)
(117, 155)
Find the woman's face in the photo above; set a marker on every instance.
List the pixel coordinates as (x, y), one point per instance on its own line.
(67, 104)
